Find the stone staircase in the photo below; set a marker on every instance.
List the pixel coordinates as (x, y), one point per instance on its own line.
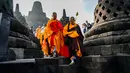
(87, 64)
(39, 65)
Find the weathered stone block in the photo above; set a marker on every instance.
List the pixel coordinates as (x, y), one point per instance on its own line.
(94, 71)
(19, 52)
(63, 60)
(121, 32)
(97, 50)
(18, 35)
(101, 64)
(21, 43)
(116, 48)
(28, 53)
(96, 58)
(93, 65)
(47, 69)
(98, 41)
(113, 26)
(93, 50)
(106, 50)
(125, 48)
(68, 69)
(89, 51)
(30, 66)
(121, 39)
(11, 55)
(128, 31)
(47, 65)
(106, 34)
(22, 53)
(17, 27)
(12, 42)
(108, 40)
(102, 35)
(47, 61)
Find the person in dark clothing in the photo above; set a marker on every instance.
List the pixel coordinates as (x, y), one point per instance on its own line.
(89, 26)
(84, 26)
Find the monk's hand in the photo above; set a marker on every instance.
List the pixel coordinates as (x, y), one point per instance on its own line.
(70, 33)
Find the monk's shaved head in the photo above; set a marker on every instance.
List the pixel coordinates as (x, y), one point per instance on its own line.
(54, 15)
(72, 20)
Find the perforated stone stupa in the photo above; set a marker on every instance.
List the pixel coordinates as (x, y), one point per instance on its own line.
(107, 43)
(110, 33)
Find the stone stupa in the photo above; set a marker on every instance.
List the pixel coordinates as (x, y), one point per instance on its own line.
(36, 17)
(107, 43)
(19, 16)
(64, 20)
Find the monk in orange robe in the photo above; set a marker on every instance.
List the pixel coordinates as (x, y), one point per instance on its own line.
(38, 31)
(41, 34)
(53, 37)
(75, 42)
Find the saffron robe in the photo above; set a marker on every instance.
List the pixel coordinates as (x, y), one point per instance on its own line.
(38, 32)
(53, 37)
(75, 39)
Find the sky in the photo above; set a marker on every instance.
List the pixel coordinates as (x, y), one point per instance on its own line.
(85, 8)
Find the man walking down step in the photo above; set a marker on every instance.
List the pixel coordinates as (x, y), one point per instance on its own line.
(75, 38)
(53, 37)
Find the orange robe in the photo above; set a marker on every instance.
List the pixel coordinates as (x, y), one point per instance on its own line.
(53, 34)
(41, 37)
(38, 31)
(73, 34)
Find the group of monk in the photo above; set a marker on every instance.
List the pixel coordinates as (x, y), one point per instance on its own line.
(57, 40)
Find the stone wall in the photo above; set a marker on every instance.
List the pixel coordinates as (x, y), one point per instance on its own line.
(23, 43)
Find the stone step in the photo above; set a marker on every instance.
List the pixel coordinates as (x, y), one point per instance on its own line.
(30, 66)
(63, 60)
(22, 43)
(98, 64)
(39, 65)
(123, 63)
(68, 69)
(22, 53)
(64, 66)
(89, 64)
(105, 50)
(106, 64)
(16, 34)
(66, 61)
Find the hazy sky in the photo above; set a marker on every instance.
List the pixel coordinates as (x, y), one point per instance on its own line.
(84, 7)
